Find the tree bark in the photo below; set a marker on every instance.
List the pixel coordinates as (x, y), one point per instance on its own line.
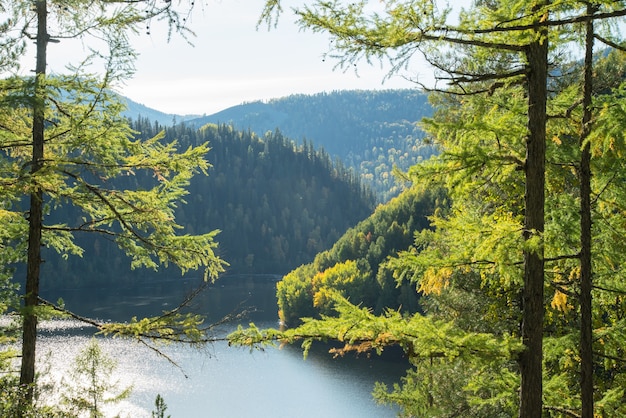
(586, 343)
(534, 199)
(35, 220)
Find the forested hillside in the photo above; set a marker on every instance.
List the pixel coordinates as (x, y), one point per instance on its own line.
(370, 131)
(277, 205)
(355, 267)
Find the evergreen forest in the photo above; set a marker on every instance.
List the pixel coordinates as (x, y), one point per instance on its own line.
(355, 265)
(371, 131)
(276, 204)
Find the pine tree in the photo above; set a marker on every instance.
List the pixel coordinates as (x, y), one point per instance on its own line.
(91, 386)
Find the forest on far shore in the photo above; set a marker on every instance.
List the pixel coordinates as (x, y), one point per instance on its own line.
(277, 204)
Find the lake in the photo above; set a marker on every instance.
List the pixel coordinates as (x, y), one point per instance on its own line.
(218, 381)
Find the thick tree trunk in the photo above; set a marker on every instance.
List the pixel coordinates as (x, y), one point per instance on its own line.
(586, 344)
(533, 304)
(35, 220)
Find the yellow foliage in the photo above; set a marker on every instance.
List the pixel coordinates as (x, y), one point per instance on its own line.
(435, 280)
(385, 338)
(574, 273)
(321, 298)
(318, 299)
(318, 280)
(559, 301)
(556, 140)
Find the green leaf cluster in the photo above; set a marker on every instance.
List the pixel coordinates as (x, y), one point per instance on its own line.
(169, 327)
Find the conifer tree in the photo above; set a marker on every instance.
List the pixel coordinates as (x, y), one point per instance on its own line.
(91, 386)
(64, 141)
(494, 46)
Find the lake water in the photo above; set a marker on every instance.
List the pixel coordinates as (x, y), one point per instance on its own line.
(218, 381)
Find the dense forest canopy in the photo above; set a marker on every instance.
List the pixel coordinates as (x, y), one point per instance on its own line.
(370, 131)
(277, 204)
(354, 266)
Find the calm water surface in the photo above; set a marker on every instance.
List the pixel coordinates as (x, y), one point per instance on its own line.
(218, 381)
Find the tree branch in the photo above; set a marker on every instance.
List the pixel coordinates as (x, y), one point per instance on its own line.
(606, 289)
(610, 43)
(564, 411)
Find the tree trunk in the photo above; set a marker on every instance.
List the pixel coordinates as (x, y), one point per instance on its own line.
(35, 219)
(534, 199)
(586, 344)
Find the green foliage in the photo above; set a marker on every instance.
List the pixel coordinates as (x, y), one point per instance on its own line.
(478, 242)
(440, 388)
(139, 221)
(170, 327)
(276, 204)
(295, 295)
(353, 281)
(494, 258)
(159, 408)
(478, 245)
(352, 265)
(64, 143)
(371, 131)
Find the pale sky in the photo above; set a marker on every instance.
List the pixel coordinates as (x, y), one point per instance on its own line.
(232, 62)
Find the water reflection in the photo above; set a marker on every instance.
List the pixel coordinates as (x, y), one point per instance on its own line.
(219, 381)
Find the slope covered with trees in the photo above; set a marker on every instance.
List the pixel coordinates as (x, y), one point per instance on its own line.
(275, 203)
(368, 130)
(354, 266)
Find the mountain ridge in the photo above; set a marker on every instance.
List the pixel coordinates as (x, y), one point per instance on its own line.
(135, 110)
(370, 131)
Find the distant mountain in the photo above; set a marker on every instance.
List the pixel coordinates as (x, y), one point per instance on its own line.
(337, 121)
(369, 130)
(135, 111)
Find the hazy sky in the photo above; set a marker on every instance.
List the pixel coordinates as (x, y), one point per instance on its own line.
(233, 62)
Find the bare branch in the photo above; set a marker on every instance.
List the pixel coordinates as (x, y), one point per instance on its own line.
(610, 43)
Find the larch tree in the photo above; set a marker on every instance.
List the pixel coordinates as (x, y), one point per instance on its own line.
(506, 44)
(64, 142)
(495, 45)
(465, 348)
